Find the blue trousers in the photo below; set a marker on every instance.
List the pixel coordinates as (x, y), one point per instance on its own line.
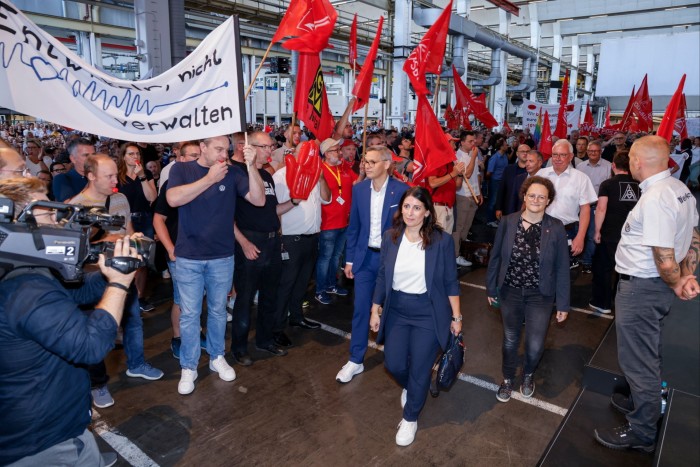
(589, 246)
(410, 347)
(331, 244)
(640, 308)
(536, 310)
(365, 279)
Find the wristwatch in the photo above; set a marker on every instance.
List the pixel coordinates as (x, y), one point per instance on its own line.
(457, 319)
(142, 179)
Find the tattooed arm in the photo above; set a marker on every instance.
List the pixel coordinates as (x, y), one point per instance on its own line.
(679, 277)
(689, 264)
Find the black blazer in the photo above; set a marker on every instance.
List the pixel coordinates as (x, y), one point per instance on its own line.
(554, 258)
(440, 280)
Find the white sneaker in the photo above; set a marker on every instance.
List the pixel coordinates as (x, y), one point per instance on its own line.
(186, 384)
(229, 304)
(463, 262)
(605, 311)
(404, 396)
(406, 433)
(166, 274)
(221, 366)
(229, 317)
(349, 370)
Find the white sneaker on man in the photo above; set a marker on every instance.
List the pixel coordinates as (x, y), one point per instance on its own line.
(186, 384)
(349, 370)
(221, 366)
(406, 433)
(461, 261)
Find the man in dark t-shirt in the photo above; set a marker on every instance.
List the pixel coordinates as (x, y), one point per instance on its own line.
(616, 198)
(205, 193)
(258, 260)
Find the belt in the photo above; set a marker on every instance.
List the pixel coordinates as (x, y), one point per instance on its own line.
(627, 277)
(296, 238)
(374, 249)
(255, 233)
(571, 226)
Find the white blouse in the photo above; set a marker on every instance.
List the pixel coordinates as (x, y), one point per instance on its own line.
(409, 271)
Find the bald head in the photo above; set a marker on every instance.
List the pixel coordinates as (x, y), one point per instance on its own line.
(11, 163)
(649, 156)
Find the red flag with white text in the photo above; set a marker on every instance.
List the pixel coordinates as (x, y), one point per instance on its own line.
(546, 140)
(311, 22)
(681, 126)
(428, 54)
(472, 104)
(668, 122)
(642, 107)
(587, 127)
(364, 80)
(352, 53)
(627, 116)
(431, 148)
(562, 125)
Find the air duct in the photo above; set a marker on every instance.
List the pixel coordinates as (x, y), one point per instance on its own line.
(495, 76)
(178, 49)
(458, 58)
(524, 83)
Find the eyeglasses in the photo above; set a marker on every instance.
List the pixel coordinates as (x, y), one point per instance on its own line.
(560, 156)
(60, 171)
(370, 163)
(264, 146)
(333, 150)
(23, 172)
(533, 197)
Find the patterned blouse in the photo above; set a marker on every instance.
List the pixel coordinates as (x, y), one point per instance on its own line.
(524, 267)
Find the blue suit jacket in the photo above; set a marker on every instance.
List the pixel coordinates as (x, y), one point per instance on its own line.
(554, 258)
(358, 229)
(440, 280)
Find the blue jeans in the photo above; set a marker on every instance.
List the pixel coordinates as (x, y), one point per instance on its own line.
(331, 244)
(589, 246)
(172, 266)
(196, 276)
(535, 309)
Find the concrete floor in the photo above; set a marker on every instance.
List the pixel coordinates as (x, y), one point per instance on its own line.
(290, 410)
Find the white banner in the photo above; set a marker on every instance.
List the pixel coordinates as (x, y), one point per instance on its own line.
(200, 97)
(531, 109)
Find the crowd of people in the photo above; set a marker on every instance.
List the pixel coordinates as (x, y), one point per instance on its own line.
(233, 234)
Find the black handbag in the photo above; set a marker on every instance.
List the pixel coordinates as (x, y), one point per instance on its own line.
(448, 365)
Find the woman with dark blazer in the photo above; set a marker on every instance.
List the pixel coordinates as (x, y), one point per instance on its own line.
(418, 289)
(529, 267)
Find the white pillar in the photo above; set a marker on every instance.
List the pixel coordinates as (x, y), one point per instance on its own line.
(573, 78)
(152, 36)
(402, 48)
(590, 66)
(499, 91)
(556, 53)
(535, 34)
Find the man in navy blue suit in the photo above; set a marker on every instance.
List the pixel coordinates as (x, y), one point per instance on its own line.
(374, 202)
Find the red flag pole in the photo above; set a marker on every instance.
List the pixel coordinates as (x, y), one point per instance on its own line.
(255, 76)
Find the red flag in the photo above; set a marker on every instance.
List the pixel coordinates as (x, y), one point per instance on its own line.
(562, 125)
(364, 81)
(506, 127)
(450, 118)
(627, 115)
(431, 148)
(352, 54)
(681, 127)
(607, 118)
(668, 122)
(587, 126)
(642, 107)
(310, 21)
(472, 104)
(427, 56)
(310, 100)
(546, 140)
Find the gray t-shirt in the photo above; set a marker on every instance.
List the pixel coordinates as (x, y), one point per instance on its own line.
(118, 205)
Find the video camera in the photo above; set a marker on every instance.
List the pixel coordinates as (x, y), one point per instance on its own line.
(63, 247)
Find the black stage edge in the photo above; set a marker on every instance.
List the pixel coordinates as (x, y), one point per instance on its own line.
(678, 443)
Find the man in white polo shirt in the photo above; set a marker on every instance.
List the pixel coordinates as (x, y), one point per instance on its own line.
(467, 201)
(575, 194)
(655, 260)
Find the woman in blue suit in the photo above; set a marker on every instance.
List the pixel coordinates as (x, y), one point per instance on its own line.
(529, 267)
(418, 289)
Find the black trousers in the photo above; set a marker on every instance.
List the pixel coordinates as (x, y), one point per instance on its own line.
(603, 292)
(263, 275)
(296, 273)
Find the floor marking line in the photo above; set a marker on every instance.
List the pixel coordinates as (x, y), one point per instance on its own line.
(120, 443)
(465, 377)
(580, 310)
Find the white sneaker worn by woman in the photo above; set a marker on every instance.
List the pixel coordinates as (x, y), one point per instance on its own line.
(349, 370)
(406, 433)
(186, 384)
(221, 366)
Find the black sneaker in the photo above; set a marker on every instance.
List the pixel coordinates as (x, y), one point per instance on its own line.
(273, 349)
(145, 305)
(622, 437)
(505, 390)
(527, 389)
(282, 340)
(586, 268)
(573, 263)
(622, 403)
(242, 358)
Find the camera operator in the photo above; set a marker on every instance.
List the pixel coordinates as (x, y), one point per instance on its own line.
(45, 341)
(101, 174)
